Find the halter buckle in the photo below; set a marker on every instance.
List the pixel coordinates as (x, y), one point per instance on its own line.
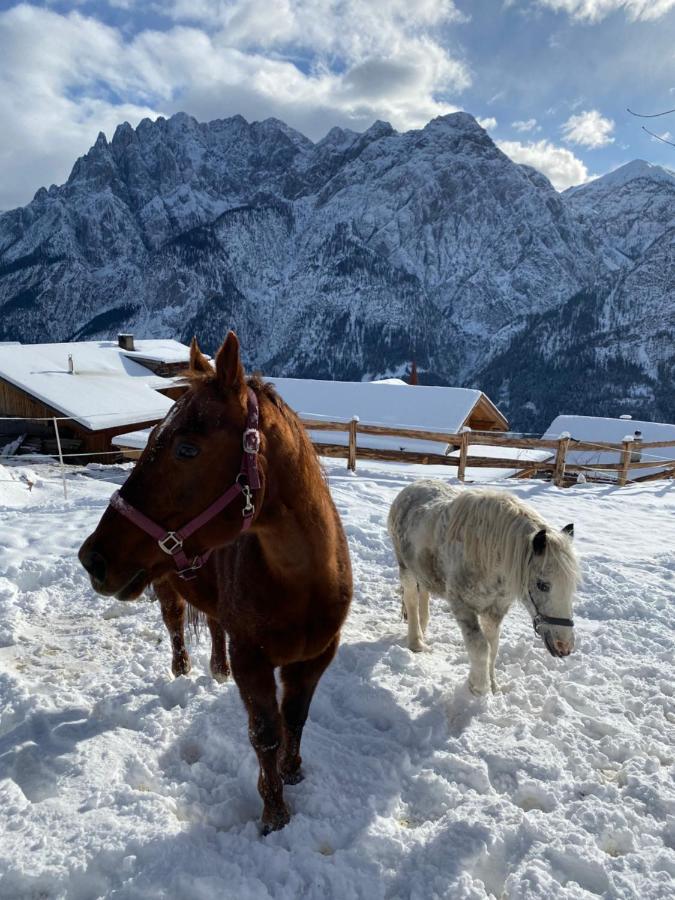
(171, 544)
(536, 622)
(251, 440)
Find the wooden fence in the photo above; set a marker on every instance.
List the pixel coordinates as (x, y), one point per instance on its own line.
(560, 471)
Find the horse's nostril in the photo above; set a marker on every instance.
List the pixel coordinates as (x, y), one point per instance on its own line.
(94, 563)
(563, 647)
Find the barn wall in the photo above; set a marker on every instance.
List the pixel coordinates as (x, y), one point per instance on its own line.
(15, 402)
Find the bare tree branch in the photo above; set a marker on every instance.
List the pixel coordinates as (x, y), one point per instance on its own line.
(667, 112)
(658, 137)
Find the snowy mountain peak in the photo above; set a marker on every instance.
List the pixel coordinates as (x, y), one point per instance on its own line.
(333, 259)
(635, 170)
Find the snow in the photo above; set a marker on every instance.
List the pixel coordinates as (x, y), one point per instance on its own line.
(118, 781)
(612, 431)
(108, 388)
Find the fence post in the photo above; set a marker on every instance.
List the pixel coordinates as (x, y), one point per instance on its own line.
(463, 450)
(351, 455)
(625, 462)
(63, 471)
(561, 452)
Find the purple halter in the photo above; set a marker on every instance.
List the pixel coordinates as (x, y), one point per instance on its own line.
(247, 481)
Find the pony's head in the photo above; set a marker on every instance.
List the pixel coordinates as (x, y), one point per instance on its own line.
(552, 578)
(191, 458)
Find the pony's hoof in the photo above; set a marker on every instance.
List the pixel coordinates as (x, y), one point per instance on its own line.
(275, 821)
(478, 689)
(419, 647)
(181, 665)
(496, 687)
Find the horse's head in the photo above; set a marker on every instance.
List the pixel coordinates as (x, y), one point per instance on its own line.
(552, 577)
(192, 457)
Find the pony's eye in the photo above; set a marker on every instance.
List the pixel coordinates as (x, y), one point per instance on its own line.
(543, 586)
(186, 451)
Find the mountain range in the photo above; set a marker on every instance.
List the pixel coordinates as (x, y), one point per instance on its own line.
(349, 257)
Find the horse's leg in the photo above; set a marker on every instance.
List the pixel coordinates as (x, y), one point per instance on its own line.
(299, 680)
(411, 603)
(476, 645)
(218, 662)
(491, 625)
(424, 609)
(254, 676)
(173, 606)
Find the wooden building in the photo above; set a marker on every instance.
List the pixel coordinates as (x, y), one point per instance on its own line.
(95, 390)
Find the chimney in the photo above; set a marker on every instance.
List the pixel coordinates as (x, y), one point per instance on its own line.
(413, 379)
(126, 341)
(71, 367)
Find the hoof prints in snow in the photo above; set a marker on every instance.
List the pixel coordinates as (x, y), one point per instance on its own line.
(118, 781)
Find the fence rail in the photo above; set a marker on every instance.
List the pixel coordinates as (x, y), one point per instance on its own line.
(631, 453)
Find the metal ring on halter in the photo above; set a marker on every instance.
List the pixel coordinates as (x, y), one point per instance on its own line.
(174, 547)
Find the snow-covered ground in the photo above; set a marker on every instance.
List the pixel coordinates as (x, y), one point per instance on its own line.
(118, 781)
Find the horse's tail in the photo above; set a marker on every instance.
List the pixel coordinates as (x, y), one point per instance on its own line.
(196, 620)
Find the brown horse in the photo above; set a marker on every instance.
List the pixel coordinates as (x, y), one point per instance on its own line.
(269, 558)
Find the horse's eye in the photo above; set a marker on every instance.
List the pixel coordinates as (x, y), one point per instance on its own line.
(186, 451)
(543, 586)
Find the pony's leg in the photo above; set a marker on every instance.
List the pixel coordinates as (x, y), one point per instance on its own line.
(254, 676)
(476, 645)
(424, 609)
(411, 604)
(218, 662)
(299, 680)
(173, 606)
(491, 628)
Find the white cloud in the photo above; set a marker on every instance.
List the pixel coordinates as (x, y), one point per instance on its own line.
(313, 63)
(596, 10)
(560, 166)
(489, 124)
(526, 125)
(589, 129)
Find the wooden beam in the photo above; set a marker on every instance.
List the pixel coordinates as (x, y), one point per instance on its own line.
(559, 471)
(351, 459)
(625, 462)
(463, 448)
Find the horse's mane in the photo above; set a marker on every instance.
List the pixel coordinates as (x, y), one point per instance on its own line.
(308, 462)
(496, 531)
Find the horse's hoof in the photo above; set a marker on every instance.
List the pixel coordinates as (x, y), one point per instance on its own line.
(419, 647)
(220, 675)
(275, 821)
(293, 777)
(478, 689)
(181, 665)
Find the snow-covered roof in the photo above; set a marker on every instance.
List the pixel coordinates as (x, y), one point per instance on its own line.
(440, 409)
(107, 389)
(613, 431)
(422, 407)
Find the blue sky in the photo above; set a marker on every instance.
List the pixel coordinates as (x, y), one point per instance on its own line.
(549, 79)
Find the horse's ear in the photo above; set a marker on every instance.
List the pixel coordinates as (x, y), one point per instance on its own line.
(539, 542)
(569, 530)
(198, 362)
(229, 369)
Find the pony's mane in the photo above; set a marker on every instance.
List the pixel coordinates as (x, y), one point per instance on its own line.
(497, 529)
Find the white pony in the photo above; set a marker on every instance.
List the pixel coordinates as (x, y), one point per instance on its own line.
(482, 550)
